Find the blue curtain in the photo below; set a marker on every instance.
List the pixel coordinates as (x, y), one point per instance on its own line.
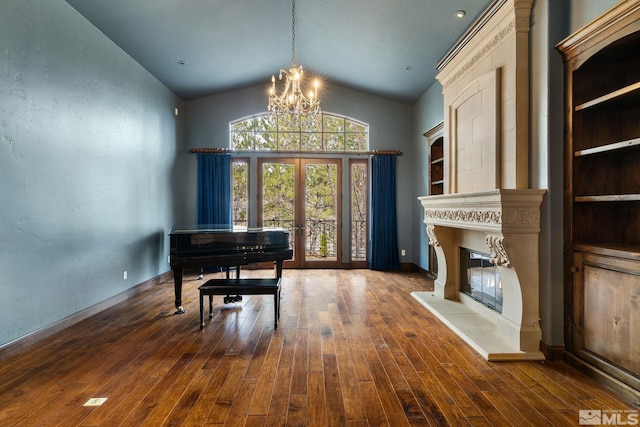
(384, 230)
(214, 190)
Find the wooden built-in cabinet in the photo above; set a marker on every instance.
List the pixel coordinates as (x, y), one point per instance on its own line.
(602, 198)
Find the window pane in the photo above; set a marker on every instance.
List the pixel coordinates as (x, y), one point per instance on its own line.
(242, 134)
(311, 124)
(353, 126)
(333, 142)
(242, 141)
(288, 123)
(312, 141)
(333, 124)
(266, 141)
(240, 193)
(356, 142)
(265, 123)
(243, 125)
(358, 215)
(288, 141)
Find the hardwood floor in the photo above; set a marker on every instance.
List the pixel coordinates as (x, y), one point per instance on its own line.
(352, 348)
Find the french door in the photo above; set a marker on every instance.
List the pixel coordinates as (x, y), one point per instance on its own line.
(303, 196)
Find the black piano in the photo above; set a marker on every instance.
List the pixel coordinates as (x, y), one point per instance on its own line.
(201, 246)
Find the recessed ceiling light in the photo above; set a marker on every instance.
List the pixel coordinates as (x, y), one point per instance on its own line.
(460, 13)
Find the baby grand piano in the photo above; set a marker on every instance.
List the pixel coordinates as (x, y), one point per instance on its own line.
(200, 246)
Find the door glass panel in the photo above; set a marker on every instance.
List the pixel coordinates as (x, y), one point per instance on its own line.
(278, 197)
(321, 212)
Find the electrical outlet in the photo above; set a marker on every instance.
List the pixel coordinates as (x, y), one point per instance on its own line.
(403, 252)
(95, 401)
(124, 275)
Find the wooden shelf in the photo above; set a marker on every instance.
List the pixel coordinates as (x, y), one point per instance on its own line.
(436, 174)
(608, 198)
(609, 249)
(628, 93)
(616, 146)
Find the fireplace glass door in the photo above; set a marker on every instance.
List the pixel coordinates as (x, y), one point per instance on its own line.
(480, 279)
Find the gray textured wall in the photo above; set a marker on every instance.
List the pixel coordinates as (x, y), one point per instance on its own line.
(87, 151)
(428, 112)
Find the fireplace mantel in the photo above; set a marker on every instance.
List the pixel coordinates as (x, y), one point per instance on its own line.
(506, 224)
(498, 211)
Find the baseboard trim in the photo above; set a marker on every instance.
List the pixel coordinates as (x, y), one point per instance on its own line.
(618, 387)
(407, 266)
(552, 352)
(429, 274)
(19, 344)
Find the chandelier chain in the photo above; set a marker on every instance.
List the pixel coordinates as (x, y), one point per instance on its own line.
(293, 32)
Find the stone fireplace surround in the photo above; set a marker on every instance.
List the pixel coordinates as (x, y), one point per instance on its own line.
(488, 205)
(505, 223)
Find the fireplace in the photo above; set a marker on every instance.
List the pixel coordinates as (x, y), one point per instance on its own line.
(505, 225)
(487, 206)
(480, 279)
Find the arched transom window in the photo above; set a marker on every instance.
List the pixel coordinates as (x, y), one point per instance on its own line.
(325, 133)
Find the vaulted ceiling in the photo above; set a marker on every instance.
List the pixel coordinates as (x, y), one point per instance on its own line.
(201, 47)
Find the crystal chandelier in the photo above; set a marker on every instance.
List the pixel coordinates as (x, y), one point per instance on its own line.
(292, 101)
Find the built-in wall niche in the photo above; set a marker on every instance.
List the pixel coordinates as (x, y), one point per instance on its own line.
(437, 167)
(435, 139)
(480, 279)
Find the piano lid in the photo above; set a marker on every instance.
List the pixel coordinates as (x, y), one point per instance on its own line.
(212, 229)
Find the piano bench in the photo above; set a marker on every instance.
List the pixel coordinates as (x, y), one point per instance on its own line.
(251, 286)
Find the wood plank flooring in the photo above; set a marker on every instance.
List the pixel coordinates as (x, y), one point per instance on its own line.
(352, 348)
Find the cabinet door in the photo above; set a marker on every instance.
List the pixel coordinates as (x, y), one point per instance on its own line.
(607, 313)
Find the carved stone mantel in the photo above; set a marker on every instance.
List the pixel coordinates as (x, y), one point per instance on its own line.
(509, 221)
(496, 211)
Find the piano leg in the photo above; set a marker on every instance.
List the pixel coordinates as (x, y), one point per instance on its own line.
(278, 264)
(177, 287)
(237, 268)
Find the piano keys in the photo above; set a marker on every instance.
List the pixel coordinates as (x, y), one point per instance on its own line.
(201, 246)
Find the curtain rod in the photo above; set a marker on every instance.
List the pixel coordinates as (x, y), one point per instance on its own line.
(227, 150)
